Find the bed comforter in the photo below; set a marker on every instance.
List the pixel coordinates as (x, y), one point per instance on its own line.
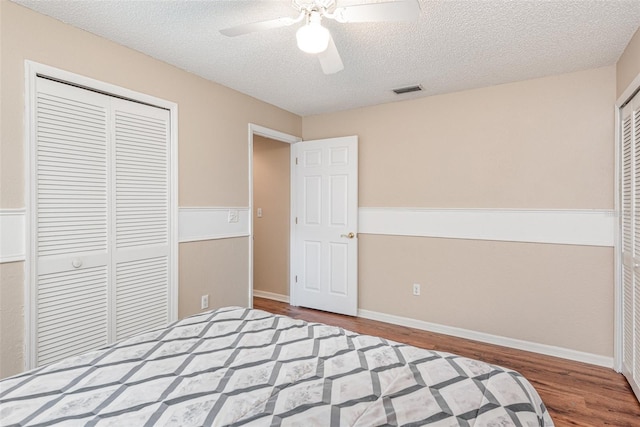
(236, 366)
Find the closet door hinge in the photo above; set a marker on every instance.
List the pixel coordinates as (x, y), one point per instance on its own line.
(296, 160)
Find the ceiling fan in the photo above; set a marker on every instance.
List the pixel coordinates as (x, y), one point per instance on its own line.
(313, 38)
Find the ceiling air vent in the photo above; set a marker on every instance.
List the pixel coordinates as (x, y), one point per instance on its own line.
(415, 88)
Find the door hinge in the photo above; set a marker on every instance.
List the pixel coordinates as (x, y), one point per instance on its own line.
(296, 160)
(296, 220)
(296, 279)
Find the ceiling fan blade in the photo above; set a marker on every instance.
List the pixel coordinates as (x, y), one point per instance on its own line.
(259, 26)
(330, 60)
(403, 10)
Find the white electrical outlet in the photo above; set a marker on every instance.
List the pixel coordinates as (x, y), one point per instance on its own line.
(416, 289)
(204, 302)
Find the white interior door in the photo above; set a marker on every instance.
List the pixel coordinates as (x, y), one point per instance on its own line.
(630, 225)
(70, 206)
(140, 207)
(100, 191)
(325, 253)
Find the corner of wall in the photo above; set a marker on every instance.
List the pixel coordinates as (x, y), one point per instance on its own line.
(628, 65)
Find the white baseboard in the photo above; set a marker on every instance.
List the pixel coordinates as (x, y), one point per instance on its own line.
(548, 350)
(12, 229)
(271, 295)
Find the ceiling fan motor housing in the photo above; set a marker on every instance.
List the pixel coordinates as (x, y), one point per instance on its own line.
(313, 37)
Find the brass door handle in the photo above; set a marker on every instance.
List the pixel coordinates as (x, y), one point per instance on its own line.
(349, 236)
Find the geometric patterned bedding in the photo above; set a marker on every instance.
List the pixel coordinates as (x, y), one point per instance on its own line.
(236, 366)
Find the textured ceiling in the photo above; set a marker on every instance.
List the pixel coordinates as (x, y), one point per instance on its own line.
(453, 46)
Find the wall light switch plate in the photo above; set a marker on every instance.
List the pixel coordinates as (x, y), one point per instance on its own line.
(233, 215)
(259, 213)
(204, 302)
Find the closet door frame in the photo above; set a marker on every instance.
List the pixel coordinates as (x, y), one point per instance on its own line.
(33, 70)
(632, 90)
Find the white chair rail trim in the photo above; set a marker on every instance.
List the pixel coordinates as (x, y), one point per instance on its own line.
(571, 227)
(12, 237)
(210, 223)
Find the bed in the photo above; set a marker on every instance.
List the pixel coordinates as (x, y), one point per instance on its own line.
(237, 366)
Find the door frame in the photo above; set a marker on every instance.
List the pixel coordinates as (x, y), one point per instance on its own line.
(33, 70)
(265, 132)
(627, 95)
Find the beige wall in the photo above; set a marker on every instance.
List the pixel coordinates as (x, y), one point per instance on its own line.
(628, 66)
(219, 268)
(539, 144)
(271, 189)
(543, 143)
(11, 320)
(213, 151)
(559, 295)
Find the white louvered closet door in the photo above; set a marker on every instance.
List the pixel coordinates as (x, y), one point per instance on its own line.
(630, 199)
(71, 215)
(141, 212)
(101, 220)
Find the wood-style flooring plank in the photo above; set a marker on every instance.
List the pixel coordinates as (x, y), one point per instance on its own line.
(576, 394)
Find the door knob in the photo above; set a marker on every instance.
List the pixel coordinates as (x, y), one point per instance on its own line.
(349, 236)
(77, 263)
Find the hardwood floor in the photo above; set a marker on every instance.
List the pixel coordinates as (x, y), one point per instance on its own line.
(576, 394)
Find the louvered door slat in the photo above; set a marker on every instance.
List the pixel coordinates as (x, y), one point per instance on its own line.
(142, 295)
(628, 283)
(62, 328)
(73, 165)
(71, 209)
(627, 236)
(630, 240)
(634, 312)
(636, 332)
(627, 160)
(142, 218)
(141, 149)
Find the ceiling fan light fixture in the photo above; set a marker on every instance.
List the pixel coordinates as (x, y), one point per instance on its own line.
(313, 37)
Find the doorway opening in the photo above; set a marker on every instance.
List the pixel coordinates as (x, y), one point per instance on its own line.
(271, 201)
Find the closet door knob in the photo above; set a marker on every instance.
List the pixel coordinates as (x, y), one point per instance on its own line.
(77, 263)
